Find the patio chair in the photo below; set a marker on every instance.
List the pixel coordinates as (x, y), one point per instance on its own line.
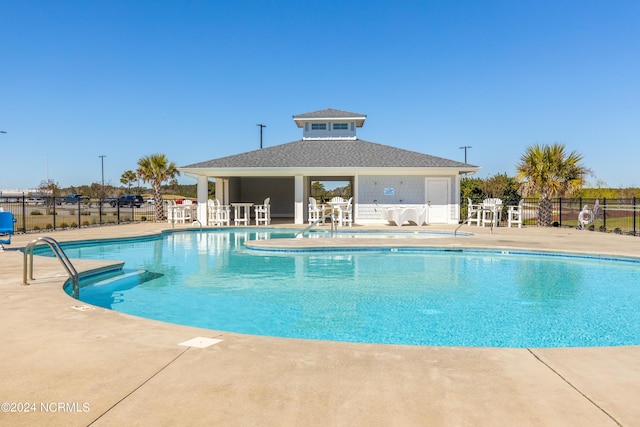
(171, 210)
(218, 214)
(263, 212)
(491, 212)
(316, 211)
(346, 212)
(473, 212)
(6, 228)
(211, 212)
(514, 215)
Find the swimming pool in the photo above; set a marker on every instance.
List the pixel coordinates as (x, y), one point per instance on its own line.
(397, 295)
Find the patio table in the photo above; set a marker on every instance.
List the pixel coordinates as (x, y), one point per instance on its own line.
(241, 212)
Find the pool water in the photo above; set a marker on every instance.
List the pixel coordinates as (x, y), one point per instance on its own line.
(394, 296)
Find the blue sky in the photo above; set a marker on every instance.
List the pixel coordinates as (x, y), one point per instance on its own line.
(191, 79)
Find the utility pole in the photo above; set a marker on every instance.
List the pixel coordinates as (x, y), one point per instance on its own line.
(102, 160)
(465, 152)
(261, 126)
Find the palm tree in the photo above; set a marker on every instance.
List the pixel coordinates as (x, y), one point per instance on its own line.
(156, 169)
(128, 177)
(547, 170)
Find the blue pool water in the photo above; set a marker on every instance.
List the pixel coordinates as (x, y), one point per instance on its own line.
(395, 296)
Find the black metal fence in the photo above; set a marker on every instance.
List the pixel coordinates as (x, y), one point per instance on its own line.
(620, 216)
(51, 213)
(611, 215)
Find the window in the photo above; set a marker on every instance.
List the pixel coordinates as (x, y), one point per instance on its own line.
(318, 126)
(340, 126)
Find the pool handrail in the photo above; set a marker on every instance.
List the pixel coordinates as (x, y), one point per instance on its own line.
(57, 250)
(314, 223)
(466, 221)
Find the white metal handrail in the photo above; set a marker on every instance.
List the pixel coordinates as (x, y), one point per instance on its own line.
(57, 250)
(313, 224)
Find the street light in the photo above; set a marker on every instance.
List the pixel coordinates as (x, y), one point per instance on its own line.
(465, 152)
(261, 126)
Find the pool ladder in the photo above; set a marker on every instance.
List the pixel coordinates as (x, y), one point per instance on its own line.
(57, 250)
(317, 221)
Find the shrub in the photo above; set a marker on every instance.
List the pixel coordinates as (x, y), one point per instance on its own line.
(48, 226)
(144, 218)
(36, 228)
(85, 223)
(36, 212)
(64, 225)
(74, 225)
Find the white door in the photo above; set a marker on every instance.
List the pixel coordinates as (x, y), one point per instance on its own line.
(437, 201)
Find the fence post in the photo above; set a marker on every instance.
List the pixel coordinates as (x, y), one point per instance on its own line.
(79, 209)
(604, 215)
(24, 214)
(634, 215)
(101, 202)
(560, 211)
(55, 203)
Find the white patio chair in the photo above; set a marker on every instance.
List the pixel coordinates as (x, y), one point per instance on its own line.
(212, 213)
(171, 211)
(316, 211)
(514, 215)
(223, 213)
(347, 213)
(337, 204)
(491, 212)
(474, 213)
(263, 212)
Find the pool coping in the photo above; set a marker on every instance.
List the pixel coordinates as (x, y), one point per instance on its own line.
(132, 371)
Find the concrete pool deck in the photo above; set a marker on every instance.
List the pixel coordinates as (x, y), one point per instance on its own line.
(70, 364)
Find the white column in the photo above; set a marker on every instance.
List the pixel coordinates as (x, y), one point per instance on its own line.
(202, 195)
(298, 199)
(222, 190)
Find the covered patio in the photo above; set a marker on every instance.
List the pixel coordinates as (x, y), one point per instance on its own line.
(380, 176)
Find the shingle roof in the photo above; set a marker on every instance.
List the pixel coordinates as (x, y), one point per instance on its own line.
(329, 113)
(331, 154)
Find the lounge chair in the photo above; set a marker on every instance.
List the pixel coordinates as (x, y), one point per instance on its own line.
(400, 215)
(263, 212)
(6, 228)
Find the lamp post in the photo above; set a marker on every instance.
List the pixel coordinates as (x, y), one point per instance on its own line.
(465, 152)
(261, 126)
